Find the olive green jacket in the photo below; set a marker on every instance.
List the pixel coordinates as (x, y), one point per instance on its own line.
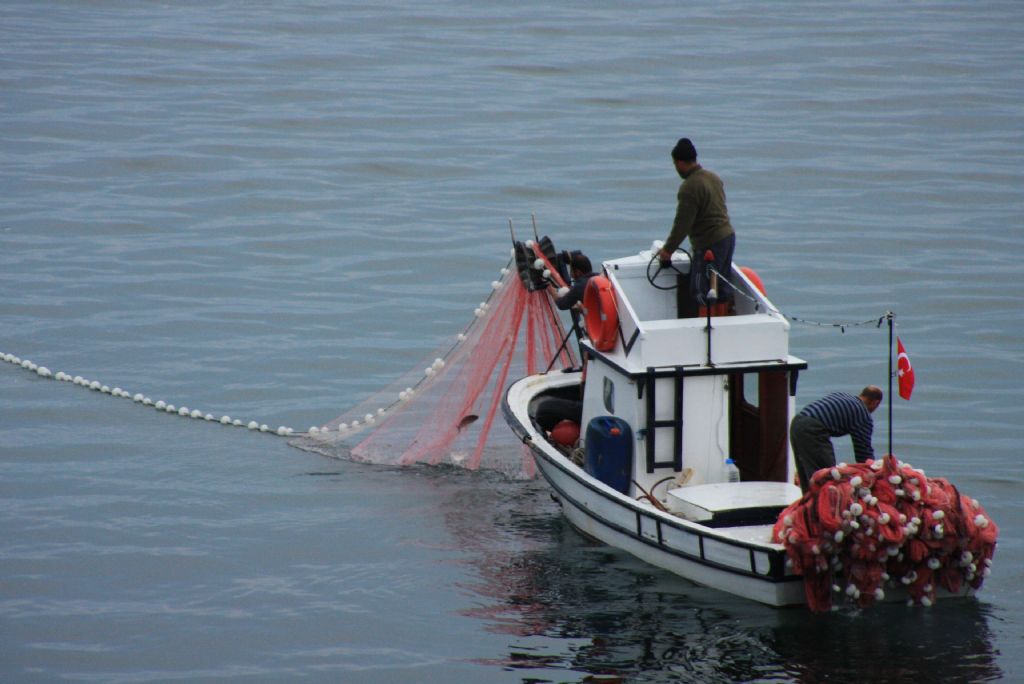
(701, 214)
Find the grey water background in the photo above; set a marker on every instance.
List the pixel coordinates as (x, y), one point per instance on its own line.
(270, 210)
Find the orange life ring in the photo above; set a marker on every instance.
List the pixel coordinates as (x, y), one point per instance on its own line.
(754, 278)
(602, 317)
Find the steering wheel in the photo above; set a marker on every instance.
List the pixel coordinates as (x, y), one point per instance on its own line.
(652, 276)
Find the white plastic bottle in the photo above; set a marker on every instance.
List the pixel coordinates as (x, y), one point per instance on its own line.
(732, 473)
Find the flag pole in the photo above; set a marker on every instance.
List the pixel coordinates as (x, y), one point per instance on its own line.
(890, 315)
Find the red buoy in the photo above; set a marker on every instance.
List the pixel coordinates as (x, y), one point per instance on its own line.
(566, 433)
(600, 314)
(754, 278)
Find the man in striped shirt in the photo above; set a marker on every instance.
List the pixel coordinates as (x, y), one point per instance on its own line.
(834, 415)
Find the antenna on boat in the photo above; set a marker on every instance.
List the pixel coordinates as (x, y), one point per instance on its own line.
(536, 235)
(710, 294)
(890, 316)
(511, 231)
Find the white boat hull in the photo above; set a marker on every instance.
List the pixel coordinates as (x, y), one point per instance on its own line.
(715, 557)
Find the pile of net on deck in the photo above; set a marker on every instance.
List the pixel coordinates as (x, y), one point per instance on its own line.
(443, 411)
(863, 527)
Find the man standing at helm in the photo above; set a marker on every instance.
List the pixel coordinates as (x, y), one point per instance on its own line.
(702, 216)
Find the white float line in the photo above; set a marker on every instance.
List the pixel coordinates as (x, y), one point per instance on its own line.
(159, 405)
(344, 429)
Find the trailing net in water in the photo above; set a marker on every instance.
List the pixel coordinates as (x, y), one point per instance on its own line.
(444, 411)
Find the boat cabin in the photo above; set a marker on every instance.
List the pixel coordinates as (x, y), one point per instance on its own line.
(691, 391)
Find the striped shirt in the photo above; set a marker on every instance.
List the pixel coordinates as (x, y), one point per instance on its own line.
(845, 414)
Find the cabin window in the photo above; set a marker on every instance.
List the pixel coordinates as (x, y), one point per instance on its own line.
(751, 393)
(609, 395)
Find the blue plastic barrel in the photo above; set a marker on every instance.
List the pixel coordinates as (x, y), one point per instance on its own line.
(609, 452)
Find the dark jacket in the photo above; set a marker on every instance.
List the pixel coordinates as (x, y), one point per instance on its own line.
(701, 213)
(575, 293)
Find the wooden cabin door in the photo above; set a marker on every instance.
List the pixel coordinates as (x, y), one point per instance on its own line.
(759, 424)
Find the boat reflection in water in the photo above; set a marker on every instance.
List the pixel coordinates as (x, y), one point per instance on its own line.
(572, 605)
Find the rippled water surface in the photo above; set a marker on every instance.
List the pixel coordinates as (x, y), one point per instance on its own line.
(273, 209)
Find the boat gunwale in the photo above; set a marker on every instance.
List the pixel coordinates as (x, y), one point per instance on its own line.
(775, 552)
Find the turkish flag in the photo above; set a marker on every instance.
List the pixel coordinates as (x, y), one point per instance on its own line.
(904, 371)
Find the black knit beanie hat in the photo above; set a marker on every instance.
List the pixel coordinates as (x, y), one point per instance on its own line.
(684, 151)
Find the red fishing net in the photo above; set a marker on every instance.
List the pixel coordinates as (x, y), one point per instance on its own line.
(861, 528)
(444, 410)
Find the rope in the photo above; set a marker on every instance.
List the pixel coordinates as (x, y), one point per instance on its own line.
(138, 398)
(842, 325)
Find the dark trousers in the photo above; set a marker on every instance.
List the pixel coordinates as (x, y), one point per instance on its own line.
(722, 250)
(812, 447)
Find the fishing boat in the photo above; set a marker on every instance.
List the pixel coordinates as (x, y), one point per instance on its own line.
(671, 443)
(666, 401)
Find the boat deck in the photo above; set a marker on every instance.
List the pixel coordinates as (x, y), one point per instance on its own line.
(752, 534)
(731, 504)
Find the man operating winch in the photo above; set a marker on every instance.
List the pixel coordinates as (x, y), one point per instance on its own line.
(581, 271)
(701, 215)
(553, 412)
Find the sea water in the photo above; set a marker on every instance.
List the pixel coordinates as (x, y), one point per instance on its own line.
(270, 210)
